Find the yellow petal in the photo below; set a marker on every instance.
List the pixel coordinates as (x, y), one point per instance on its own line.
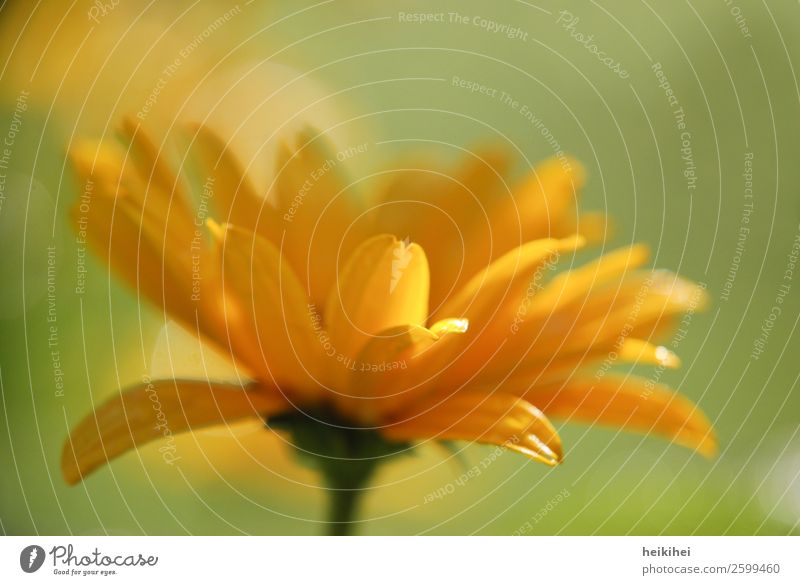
(631, 403)
(384, 284)
(317, 211)
(595, 227)
(375, 383)
(162, 190)
(233, 196)
(505, 280)
(542, 206)
(99, 163)
(640, 351)
(151, 411)
(491, 299)
(450, 326)
(574, 285)
(644, 310)
(499, 419)
(446, 211)
(396, 368)
(561, 363)
(265, 298)
(183, 282)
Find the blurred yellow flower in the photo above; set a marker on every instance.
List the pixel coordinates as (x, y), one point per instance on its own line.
(361, 324)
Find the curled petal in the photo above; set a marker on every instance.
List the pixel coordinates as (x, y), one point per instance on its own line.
(384, 284)
(499, 419)
(151, 411)
(631, 403)
(397, 367)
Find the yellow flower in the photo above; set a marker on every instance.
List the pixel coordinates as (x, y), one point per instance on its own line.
(429, 310)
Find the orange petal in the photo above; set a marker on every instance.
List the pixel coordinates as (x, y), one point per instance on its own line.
(234, 198)
(543, 205)
(505, 280)
(490, 300)
(499, 419)
(314, 211)
(634, 404)
(396, 368)
(151, 411)
(384, 284)
(269, 311)
(160, 188)
(447, 212)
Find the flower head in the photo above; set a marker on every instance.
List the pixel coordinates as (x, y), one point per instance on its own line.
(431, 309)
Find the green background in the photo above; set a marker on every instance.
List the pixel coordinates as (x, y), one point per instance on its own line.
(394, 79)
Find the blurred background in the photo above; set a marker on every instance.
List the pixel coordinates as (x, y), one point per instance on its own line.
(686, 116)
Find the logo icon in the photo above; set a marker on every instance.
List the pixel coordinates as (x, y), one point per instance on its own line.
(31, 558)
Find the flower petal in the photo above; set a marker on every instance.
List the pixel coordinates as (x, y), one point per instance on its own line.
(319, 218)
(490, 300)
(639, 351)
(499, 419)
(595, 323)
(264, 298)
(574, 285)
(234, 198)
(542, 206)
(151, 411)
(631, 403)
(504, 280)
(131, 226)
(447, 212)
(160, 189)
(396, 368)
(378, 370)
(384, 284)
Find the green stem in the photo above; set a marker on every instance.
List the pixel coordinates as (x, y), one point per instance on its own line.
(345, 456)
(342, 507)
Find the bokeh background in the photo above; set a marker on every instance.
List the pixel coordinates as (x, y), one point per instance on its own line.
(257, 69)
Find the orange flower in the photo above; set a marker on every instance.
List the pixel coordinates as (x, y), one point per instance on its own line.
(426, 312)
